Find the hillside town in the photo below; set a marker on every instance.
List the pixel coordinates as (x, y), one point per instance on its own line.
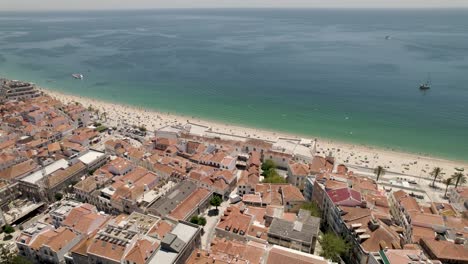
(76, 188)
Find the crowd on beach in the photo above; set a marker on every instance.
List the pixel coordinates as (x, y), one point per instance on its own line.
(361, 156)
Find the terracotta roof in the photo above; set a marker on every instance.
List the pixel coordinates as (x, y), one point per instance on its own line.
(63, 236)
(160, 229)
(251, 252)
(395, 256)
(87, 185)
(82, 247)
(141, 251)
(259, 232)
(252, 198)
(53, 147)
(422, 232)
(345, 194)
(320, 164)
(258, 213)
(423, 219)
(229, 176)
(280, 255)
(291, 193)
(41, 239)
(85, 219)
(409, 203)
(299, 169)
(445, 250)
(191, 202)
(380, 237)
(18, 170)
(107, 250)
(247, 178)
(62, 175)
(234, 220)
(254, 159)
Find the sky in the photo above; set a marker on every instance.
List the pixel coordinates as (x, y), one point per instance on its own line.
(6, 5)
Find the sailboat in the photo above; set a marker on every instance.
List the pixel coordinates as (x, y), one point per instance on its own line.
(426, 85)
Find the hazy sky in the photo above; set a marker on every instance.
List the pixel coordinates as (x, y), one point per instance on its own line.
(139, 4)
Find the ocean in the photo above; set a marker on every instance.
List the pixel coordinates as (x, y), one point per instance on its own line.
(316, 72)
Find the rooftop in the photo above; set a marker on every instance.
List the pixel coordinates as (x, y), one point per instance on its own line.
(91, 156)
(164, 205)
(38, 175)
(295, 230)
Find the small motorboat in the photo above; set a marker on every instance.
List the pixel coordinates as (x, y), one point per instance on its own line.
(78, 76)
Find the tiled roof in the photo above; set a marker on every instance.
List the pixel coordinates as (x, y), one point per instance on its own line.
(445, 250)
(234, 221)
(281, 255)
(291, 193)
(62, 238)
(344, 194)
(61, 175)
(107, 250)
(191, 202)
(299, 169)
(141, 251)
(18, 170)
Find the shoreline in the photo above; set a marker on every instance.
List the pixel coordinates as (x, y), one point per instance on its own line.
(355, 154)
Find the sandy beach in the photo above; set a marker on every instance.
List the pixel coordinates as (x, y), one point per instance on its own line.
(350, 154)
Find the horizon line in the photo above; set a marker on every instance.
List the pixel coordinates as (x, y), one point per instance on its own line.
(233, 8)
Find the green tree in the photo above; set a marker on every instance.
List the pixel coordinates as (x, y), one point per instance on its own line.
(274, 179)
(198, 220)
(201, 221)
(459, 178)
(333, 247)
(313, 208)
(8, 229)
(58, 196)
(194, 219)
(216, 201)
(447, 183)
(267, 165)
(379, 171)
(435, 174)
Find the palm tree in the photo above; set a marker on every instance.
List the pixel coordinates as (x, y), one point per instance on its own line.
(435, 173)
(459, 178)
(447, 183)
(379, 171)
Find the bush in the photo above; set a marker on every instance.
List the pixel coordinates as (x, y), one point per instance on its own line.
(268, 164)
(8, 229)
(313, 208)
(272, 176)
(198, 220)
(7, 237)
(58, 196)
(333, 247)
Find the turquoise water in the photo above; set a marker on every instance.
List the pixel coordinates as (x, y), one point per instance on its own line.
(326, 73)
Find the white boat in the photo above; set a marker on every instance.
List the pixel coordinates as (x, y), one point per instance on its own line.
(78, 76)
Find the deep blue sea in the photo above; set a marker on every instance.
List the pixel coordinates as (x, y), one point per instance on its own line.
(317, 72)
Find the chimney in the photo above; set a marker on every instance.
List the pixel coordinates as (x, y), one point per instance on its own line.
(363, 203)
(373, 224)
(459, 240)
